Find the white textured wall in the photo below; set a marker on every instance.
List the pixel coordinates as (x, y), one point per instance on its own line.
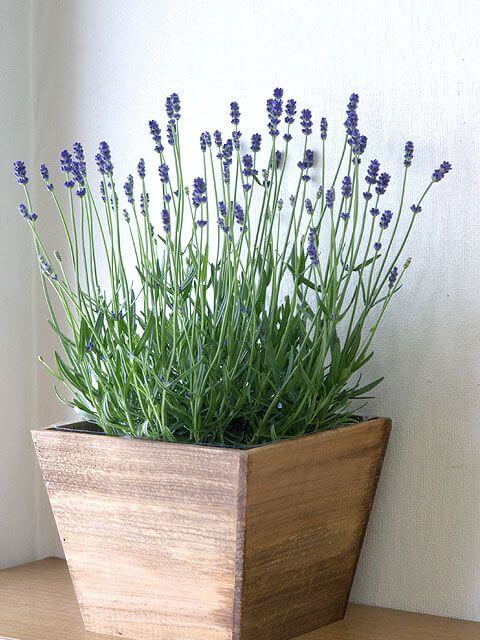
(103, 68)
(17, 366)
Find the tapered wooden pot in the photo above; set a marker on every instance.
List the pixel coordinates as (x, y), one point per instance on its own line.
(184, 542)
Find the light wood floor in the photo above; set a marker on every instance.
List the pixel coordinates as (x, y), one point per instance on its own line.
(37, 602)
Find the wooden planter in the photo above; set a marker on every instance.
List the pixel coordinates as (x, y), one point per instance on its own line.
(184, 542)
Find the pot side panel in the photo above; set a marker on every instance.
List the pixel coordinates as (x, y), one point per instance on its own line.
(308, 503)
(149, 531)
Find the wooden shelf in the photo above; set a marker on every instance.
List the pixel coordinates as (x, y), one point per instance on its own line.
(37, 602)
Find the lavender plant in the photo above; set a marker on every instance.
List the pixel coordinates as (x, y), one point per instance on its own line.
(250, 312)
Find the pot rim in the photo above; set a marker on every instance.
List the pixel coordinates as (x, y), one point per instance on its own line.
(83, 427)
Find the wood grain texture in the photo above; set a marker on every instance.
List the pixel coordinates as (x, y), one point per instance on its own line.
(37, 602)
(180, 542)
(149, 532)
(308, 503)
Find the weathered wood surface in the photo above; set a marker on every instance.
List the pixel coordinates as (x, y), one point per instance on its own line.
(181, 542)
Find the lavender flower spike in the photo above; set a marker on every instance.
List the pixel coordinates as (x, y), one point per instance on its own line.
(165, 215)
(156, 135)
(312, 246)
(323, 128)
(20, 171)
(141, 168)
(408, 154)
(163, 173)
(23, 211)
(439, 173)
(372, 172)
(290, 110)
(306, 121)
(199, 195)
(330, 198)
(346, 187)
(385, 219)
(239, 214)
(256, 142)
(392, 278)
(128, 188)
(382, 183)
(235, 113)
(46, 176)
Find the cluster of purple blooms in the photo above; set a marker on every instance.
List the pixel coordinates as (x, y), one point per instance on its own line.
(73, 165)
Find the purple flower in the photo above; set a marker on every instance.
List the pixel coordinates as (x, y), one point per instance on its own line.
(274, 111)
(306, 121)
(103, 159)
(23, 211)
(408, 154)
(323, 128)
(345, 215)
(141, 168)
(256, 142)
(239, 214)
(392, 278)
(330, 198)
(307, 161)
(367, 195)
(222, 225)
(346, 187)
(416, 208)
(385, 219)
(236, 135)
(205, 141)
(226, 156)
(357, 142)
(163, 172)
(290, 110)
(372, 172)
(319, 192)
(46, 176)
(217, 138)
(382, 183)
(248, 169)
(66, 161)
(171, 130)
(235, 113)
(374, 212)
(377, 246)
(156, 135)
(278, 158)
(47, 268)
(312, 246)
(201, 223)
(278, 93)
(69, 184)
(352, 118)
(144, 201)
(102, 192)
(308, 206)
(439, 173)
(222, 208)
(165, 215)
(172, 107)
(128, 188)
(81, 191)
(78, 153)
(199, 195)
(126, 216)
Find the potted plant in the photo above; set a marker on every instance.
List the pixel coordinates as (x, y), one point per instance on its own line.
(220, 481)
